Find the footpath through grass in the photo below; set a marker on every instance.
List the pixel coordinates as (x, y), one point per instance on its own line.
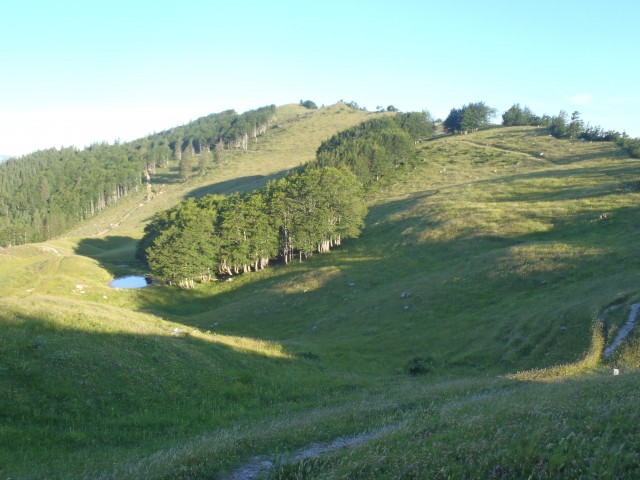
(467, 318)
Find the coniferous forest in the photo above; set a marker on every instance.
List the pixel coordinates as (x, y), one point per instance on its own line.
(46, 193)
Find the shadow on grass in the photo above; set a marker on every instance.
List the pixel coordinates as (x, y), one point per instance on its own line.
(168, 178)
(116, 254)
(242, 184)
(74, 384)
(340, 303)
(563, 188)
(607, 149)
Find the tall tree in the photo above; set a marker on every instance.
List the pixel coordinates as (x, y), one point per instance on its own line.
(559, 127)
(576, 126)
(186, 162)
(518, 116)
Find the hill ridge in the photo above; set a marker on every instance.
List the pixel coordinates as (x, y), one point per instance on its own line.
(456, 310)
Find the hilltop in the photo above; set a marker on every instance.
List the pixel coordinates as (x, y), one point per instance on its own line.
(463, 331)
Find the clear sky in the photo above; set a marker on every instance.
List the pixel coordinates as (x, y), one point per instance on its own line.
(78, 72)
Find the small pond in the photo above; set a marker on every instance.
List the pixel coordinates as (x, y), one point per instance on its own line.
(131, 281)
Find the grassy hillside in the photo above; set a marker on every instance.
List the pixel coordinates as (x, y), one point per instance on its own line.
(290, 142)
(463, 330)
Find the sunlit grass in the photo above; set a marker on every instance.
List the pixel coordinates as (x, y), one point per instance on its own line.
(309, 280)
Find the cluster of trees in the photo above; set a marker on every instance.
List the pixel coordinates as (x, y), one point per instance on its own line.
(305, 212)
(630, 145)
(310, 210)
(565, 126)
(225, 130)
(44, 194)
(469, 118)
(516, 116)
(376, 148)
(308, 104)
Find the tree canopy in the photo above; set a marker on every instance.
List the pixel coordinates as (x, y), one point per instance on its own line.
(302, 213)
(308, 104)
(469, 118)
(518, 116)
(376, 148)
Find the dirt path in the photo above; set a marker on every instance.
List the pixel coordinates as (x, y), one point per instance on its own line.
(261, 465)
(624, 332)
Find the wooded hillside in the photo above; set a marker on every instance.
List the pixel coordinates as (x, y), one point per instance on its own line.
(45, 193)
(312, 209)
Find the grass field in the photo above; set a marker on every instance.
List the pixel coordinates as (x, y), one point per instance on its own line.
(466, 323)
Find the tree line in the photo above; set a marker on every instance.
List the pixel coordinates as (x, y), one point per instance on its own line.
(376, 148)
(477, 115)
(311, 210)
(565, 126)
(48, 192)
(469, 118)
(305, 212)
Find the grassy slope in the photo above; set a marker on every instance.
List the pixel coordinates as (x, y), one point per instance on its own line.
(487, 260)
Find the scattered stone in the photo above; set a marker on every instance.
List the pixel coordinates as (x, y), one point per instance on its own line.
(616, 371)
(178, 332)
(406, 307)
(405, 294)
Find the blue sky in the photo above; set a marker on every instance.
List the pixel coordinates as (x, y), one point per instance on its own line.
(78, 72)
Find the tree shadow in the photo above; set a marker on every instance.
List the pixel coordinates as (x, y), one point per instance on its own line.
(121, 388)
(165, 178)
(245, 184)
(345, 298)
(116, 254)
(568, 191)
(609, 149)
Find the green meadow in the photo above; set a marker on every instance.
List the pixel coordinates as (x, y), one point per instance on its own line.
(461, 335)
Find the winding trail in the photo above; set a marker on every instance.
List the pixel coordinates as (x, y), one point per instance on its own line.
(261, 465)
(623, 332)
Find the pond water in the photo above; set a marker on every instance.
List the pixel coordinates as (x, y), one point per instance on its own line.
(131, 281)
